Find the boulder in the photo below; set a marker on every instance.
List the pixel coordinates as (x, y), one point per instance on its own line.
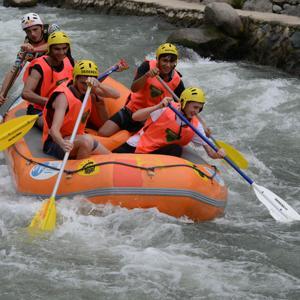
(233, 3)
(223, 16)
(208, 41)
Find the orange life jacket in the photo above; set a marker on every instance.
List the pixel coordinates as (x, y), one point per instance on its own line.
(51, 78)
(164, 131)
(152, 92)
(74, 105)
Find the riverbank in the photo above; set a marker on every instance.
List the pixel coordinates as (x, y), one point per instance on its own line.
(266, 38)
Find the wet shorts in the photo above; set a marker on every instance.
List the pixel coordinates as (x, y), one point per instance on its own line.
(53, 149)
(123, 118)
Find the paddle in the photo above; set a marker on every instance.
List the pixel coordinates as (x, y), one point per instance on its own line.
(278, 208)
(14, 130)
(231, 152)
(45, 219)
(6, 106)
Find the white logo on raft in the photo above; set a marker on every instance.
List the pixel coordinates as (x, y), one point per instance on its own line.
(217, 177)
(42, 173)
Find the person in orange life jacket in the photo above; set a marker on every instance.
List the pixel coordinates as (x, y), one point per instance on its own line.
(164, 132)
(147, 90)
(34, 45)
(62, 109)
(45, 73)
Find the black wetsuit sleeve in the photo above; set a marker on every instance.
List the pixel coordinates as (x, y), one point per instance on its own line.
(37, 68)
(51, 99)
(179, 89)
(142, 70)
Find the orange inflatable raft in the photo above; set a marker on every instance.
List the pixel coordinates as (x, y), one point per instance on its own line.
(176, 186)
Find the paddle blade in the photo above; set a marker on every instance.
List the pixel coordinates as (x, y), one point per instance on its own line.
(15, 129)
(233, 154)
(45, 218)
(277, 207)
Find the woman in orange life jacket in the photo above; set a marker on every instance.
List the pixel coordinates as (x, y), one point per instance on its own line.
(45, 73)
(34, 45)
(62, 109)
(147, 90)
(164, 132)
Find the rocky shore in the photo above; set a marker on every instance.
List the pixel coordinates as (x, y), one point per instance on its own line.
(216, 29)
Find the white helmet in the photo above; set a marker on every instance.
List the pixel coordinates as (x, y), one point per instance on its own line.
(31, 19)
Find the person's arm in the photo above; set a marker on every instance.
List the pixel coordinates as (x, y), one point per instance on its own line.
(143, 72)
(98, 103)
(144, 113)
(207, 130)
(30, 86)
(27, 47)
(60, 106)
(103, 90)
(212, 154)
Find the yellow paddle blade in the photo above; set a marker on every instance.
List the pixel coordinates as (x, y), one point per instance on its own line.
(45, 218)
(233, 154)
(15, 129)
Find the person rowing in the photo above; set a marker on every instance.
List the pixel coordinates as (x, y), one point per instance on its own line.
(34, 45)
(164, 132)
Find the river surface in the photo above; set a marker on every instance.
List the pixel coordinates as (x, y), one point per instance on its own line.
(112, 253)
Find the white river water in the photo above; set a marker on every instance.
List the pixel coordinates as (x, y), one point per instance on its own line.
(112, 253)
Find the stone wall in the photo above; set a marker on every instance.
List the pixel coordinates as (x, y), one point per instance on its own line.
(273, 44)
(288, 7)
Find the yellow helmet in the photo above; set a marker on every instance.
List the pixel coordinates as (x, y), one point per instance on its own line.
(58, 37)
(85, 68)
(192, 94)
(166, 48)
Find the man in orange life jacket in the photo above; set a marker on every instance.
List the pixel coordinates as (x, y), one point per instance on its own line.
(62, 109)
(164, 132)
(35, 45)
(147, 90)
(45, 73)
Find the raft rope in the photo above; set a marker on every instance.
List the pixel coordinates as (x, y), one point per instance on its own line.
(148, 169)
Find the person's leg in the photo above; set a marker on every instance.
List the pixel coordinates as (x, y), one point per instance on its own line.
(172, 149)
(125, 148)
(120, 120)
(108, 128)
(53, 149)
(84, 146)
(98, 148)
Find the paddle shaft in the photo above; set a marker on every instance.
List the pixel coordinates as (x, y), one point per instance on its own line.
(14, 75)
(108, 72)
(86, 97)
(229, 161)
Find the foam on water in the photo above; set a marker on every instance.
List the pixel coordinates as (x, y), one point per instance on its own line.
(105, 252)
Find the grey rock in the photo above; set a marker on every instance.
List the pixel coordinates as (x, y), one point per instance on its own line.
(223, 16)
(277, 9)
(258, 5)
(208, 41)
(295, 39)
